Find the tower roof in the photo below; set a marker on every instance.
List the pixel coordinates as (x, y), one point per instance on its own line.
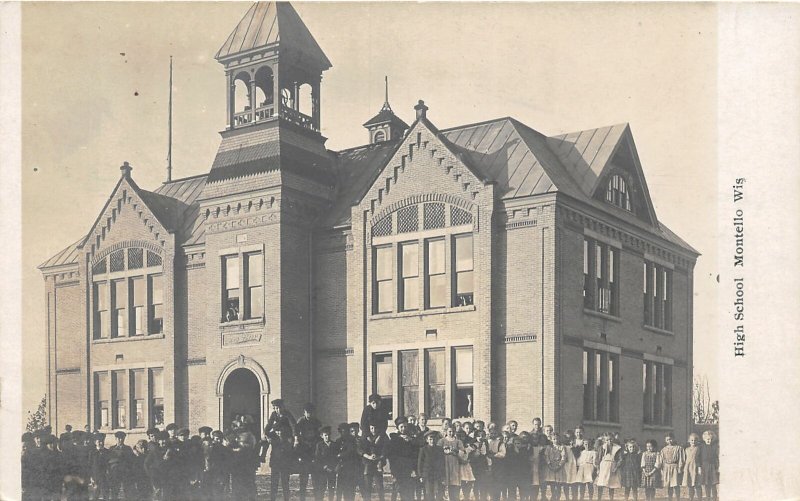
(273, 24)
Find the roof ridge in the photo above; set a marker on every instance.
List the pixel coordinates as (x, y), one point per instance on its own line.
(173, 181)
(476, 124)
(611, 126)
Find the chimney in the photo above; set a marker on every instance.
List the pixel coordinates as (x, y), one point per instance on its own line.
(421, 109)
(126, 169)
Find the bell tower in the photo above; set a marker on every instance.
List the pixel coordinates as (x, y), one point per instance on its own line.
(273, 68)
(385, 126)
(271, 179)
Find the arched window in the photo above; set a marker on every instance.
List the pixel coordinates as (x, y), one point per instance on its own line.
(379, 136)
(617, 193)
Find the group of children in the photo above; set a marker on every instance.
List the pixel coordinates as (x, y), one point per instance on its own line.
(458, 460)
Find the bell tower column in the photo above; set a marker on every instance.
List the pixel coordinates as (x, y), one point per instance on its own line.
(231, 98)
(251, 95)
(316, 103)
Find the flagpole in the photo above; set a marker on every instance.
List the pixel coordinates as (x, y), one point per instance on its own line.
(169, 141)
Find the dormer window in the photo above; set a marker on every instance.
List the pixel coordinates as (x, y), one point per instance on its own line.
(618, 194)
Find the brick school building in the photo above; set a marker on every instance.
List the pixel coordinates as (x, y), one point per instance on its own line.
(486, 270)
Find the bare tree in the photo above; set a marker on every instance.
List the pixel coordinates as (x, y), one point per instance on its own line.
(38, 420)
(705, 411)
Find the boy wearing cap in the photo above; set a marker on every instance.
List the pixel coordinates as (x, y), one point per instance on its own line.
(372, 449)
(307, 428)
(430, 464)
(98, 467)
(402, 455)
(280, 416)
(120, 458)
(375, 413)
(325, 466)
(280, 461)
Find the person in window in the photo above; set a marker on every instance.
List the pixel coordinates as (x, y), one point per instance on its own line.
(232, 311)
(374, 413)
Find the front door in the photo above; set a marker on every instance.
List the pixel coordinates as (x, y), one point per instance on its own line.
(242, 400)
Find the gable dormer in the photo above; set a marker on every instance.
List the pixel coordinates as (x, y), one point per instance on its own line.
(621, 182)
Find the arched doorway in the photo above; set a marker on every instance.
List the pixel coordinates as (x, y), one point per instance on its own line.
(242, 397)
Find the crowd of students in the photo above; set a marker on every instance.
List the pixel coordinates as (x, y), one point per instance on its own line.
(459, 460)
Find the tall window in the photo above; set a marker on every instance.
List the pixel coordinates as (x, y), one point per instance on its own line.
(231, 288)
(102, 324)
(119, 303)
(657, 390)
(435, 401)
(255, 285)
(409, 273)
(462, 401)
(600, 386)
(127, 294)
(383, 279)
(102, 414)
(617, 193)
(138, 294)
(657, 295)
(119, 391)
(464, 283)
(435, 274)
(435, 270)
(600, 277)
(409, 383)
(156, 397)
(156, 307)
(138, 392)
(384, 381)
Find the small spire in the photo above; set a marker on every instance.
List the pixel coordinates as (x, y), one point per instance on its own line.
(169, 139)
(386, 99)
(126, 169)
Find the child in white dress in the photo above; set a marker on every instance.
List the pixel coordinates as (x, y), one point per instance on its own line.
(586, 469)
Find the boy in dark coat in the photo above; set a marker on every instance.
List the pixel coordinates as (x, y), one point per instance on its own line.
(120, 457)
(372, 449)
(98, 467)
(281, 460)
(325, 466)
(402, 453)
(349, 462)
(430, 464)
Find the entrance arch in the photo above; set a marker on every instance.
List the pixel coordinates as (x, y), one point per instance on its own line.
(243, 389)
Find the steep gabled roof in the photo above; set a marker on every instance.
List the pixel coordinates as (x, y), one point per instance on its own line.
(273, 24)
(585, 153)
(186, 191)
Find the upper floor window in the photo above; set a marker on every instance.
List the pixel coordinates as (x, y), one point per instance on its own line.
(127, 294)
(657, 293)
(242, 286)
(433, 270)
(600, 277)
(617, 193)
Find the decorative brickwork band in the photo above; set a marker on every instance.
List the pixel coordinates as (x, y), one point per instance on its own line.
(528, 338)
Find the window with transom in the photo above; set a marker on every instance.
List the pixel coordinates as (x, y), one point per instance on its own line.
(423, 259)
(127, 294)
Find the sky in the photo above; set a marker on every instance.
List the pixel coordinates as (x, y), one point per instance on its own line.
(95, 90)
